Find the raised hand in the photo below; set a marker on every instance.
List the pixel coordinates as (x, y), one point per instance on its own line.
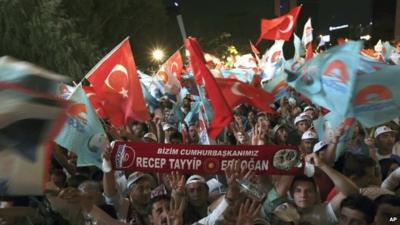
(248, 211)
(177, 183)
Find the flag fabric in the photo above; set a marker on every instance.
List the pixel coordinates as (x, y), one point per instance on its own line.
(280, 28)
(255, 51)
(246, 61)
(31, 114)
(277, 86)
(193, 115)
(116, 83)
(387, 51)
(64, 90)
(236, 93)
(298, 47)
(307, 39)
(369, 65)
(244, 75)
(95, 101)
(272, 61)
(328, 79)
(376, 97)
(222, 113)
(170, 74)
(307, 33)
(326, 125)
(83, 133)
(174, 65)
(203, 134)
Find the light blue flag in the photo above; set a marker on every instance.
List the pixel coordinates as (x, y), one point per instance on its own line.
(387, 51)
(328, 79)
(298, 47)
(277, 86)
(326, 125)
(176, 115)
(376, 97)
(244, 75)
(151, 102)
(193, 114)
(83, 133)
(369, 65)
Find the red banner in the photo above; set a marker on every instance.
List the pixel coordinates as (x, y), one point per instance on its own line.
(205, 159)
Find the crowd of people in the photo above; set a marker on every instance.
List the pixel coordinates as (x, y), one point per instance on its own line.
(359, 187)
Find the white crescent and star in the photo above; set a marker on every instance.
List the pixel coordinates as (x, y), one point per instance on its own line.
(123, 70)
(290, 25)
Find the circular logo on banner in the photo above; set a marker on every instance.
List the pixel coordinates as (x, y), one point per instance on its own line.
(125, 157)
(372, 94)
(285, 159)
(337, 69)
(211, 165)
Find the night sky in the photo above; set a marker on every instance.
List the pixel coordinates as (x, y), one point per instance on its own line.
(206, 19)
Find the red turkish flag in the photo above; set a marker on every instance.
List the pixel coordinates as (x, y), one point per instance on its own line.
(117, 86)
(280, 28)
(222, 112)
(174, 65)
(237, 92)
(94, 100)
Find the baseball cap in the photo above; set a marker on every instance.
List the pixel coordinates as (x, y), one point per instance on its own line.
(167, 126)
(308, 108)
(276, 128)
(381, 130)
(196, 179)
(301, 118)
(309, 135)
(136, 176)
(319, 146)
(151, 136)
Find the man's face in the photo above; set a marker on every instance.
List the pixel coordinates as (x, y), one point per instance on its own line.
(310, 113)
(241, 138)
(351, 217)
(141, 192)
(308, 144)
(197, 193)
(386, 214)
(159, 213)
(138, 130)
(193, 132)
(386, 141)
(282, 134)
(304, 194)
(303, 126)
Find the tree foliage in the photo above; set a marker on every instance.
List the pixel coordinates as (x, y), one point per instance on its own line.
(70, 36)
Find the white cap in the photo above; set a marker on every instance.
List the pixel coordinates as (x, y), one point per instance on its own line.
(135, 176)
(308, 108)
(166, 126)
(292, 101)
(301, 118)
(309, 135)
(381, 130)
(277, 127)
(196, 179)
(319, 146)
(151, 136)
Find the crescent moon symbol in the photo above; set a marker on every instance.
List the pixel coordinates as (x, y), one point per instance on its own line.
(290, 25)
(117, 67)
(235, 89)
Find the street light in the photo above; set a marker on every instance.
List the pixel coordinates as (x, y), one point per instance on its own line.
(158, 55)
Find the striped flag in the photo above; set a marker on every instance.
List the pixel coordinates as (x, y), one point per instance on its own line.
(30, 117)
